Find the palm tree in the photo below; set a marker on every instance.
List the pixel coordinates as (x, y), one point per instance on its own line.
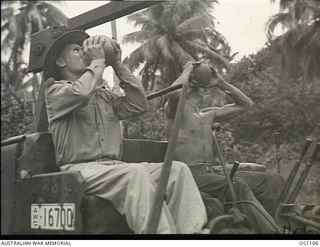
(300, 46)
(171, 34)
(19, 19)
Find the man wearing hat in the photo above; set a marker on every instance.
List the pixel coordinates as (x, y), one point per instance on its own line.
(84, 121)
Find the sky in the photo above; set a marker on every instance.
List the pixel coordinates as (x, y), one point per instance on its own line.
(242, 22)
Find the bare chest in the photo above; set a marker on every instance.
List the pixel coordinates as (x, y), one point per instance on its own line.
(195, 128)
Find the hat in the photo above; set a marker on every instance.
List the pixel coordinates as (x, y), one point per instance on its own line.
(49, 65)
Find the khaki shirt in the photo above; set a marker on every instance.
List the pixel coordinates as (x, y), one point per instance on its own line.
(84, 116)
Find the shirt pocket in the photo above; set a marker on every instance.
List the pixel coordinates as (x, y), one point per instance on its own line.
(85, 112)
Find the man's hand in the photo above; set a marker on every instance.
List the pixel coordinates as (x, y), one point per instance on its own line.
(184, 78)
(118, 51)
(215, 79)
(188, 68)
(93, 49)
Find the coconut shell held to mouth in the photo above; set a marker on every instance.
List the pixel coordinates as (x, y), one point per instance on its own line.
(202, 74)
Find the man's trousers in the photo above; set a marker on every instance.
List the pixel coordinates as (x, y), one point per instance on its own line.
(215, 185)
(131, 188)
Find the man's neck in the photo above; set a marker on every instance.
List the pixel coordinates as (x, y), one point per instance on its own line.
(69, 76)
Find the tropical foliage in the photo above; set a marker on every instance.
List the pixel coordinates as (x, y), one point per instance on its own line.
(16, 117)
(171, 34)
(19, 19)
(284, 105)
(300, 46)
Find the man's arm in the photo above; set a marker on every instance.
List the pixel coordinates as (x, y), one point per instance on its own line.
(173, 97)
(171, 105)
(134, 102)
(241, 103)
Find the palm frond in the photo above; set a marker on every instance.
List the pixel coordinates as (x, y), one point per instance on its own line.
(5, 26)
(151, 51)
(217, 41)
(163, 44)
(196, 22)
(174, 12)
(185, 31)
(145, 20)
(210, 54)
(6, 42)
(194, 34)
(203, 7)
(233, 55)
(21, 27)
(34, 18)
(284, 19)
(146, 52)
(180, 55)
(138, 36)
(6, 13)
(6, 4)
(138, 18)
(155, 11)
(301, 39)
(16, 30)
(134, 59)
(54, 15)
(284, 4)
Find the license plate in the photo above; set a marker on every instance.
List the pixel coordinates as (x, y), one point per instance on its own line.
(53, 216)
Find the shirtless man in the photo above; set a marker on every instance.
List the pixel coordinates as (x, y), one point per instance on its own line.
(194, 146)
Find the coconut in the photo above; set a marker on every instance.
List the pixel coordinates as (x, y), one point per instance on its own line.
(202, 74)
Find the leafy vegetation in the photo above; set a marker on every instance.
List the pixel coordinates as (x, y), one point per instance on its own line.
(16, 117)
(300, 46)
(171, 34)
(19, 19)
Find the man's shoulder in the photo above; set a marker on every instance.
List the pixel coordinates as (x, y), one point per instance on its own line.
(51, 81)
(106, 93)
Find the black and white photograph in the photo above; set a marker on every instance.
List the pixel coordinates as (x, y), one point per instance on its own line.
(176, 119)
